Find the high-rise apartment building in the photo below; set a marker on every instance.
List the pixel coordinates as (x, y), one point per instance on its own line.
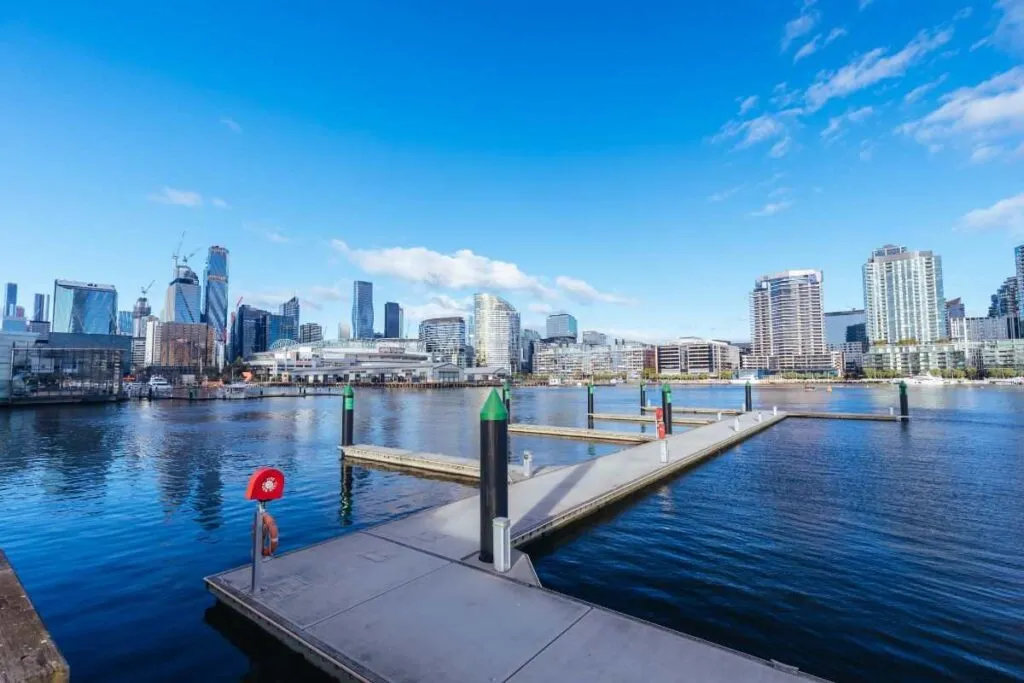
(10, 300)
(392, 320)
(84, 308)
(496, 333)
(310, 332)
(185, 345)
(594, 337)
(40, 308)
(695, 356)
(903, 296)
(1004, 301)
(528, 339)
(1018, 259)
(215, 299)
(955, 310)
(182, 304)
(290, 310)
(787, 324)
(445, 337)
(561, 326)
(362, 310)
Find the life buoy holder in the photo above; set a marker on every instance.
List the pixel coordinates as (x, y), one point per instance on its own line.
(270, 535)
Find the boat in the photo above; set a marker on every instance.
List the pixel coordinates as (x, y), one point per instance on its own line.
(239, 390)
(158, 385)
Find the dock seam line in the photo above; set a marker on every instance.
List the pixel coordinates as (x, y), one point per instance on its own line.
(590, 608)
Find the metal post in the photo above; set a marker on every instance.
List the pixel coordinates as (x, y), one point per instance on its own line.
(348, 412)
(904, 401)
(664, 451)
(759, 418)
(590, 405)
(643, 396)
(527, 464)
(666, 406)
(719, 416)
(257, 548)
(493, 471)
(748, 397)
(775, 410)
(736, 424)
(506, 393)
(502, 545)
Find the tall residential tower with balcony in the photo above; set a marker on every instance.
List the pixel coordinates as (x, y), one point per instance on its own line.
(362, 310)
(445, 337)
(497, 332)
(903, 296)
(787, 324)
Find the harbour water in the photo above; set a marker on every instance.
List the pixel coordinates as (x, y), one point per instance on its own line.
(854, 550)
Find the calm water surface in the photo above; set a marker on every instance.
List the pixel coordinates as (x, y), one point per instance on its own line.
(857, 551)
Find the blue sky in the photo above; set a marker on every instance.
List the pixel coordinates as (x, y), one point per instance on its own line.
(637, 164)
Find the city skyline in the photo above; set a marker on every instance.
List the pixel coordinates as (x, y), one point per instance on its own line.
(841, 132)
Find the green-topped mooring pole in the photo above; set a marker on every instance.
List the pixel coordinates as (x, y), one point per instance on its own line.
(904, 401)
(493, 470)
(666, 406)
(748, 397)
(590, 405)
(348, 412)
(643, 395)
(506, 394)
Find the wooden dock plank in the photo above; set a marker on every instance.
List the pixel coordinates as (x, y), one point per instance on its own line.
(580, 433)
(27, 652)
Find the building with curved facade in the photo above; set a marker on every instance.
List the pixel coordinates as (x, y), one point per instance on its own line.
(445, 337)
(496, 333)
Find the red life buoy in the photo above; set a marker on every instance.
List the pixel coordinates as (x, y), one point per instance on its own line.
(270, 535)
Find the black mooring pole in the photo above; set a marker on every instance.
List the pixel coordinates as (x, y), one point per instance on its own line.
(590, 405)
(493, 471)
(348, 412)
(666, 406)
(904, 401)
(643, 396)
(748, 401)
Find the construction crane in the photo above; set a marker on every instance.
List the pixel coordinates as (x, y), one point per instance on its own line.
(177, 250)
(145, 290)
(186, 258)
(238, 303)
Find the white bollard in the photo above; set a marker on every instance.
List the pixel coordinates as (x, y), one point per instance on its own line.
(664, 451)
(719, 416)
(759, 416)
(502, 545)
(775, 410)
(892, 411)
(736, 424)
(743, 407)
(527, 464)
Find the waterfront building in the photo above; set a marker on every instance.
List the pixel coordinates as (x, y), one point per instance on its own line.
(631, 358)
(903, 296)
(1004, 301)
(124, 323)
(787, 325)
(185, 346)
(392, 320)
(40, 327)
(696, 356)
(842, 327)
(362, 310)
(526, 342)
(84, 307)
(594, 337)
(497, 332)
(1006, 354)
(215, 299)
(919, 359)
(249, 334)
(41, 308)
(445, 337)
(955, 310)
(310, 332)
(14, 324)
(570, 359)
(985, 329)
(561, 326)
(290, 325)
(182, 303)
(151, 355)
(1018, 259)
(69, 367)
(10, 300)
(381, 360)
(344, 331)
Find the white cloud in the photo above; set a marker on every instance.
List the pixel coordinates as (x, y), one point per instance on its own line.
(781, 148)
(439, 306)
(585, 293)
(867, 151)
(836, 123)
(277, 236)
(818, 42)
(922, 90)
(747, 103)
(983, 153)
(782, 96)
(991, 110)
(219, 203)
(772, 208)
(801, 25)
(862, 4)
(779, 191)
(1006, 213)
(459, 270)
(335, 292)
(724, 194)
(231, 124)
(873, 67)
(169, 195)
(541, 308)
(764, 128)
(775, 177)
(1009, 33)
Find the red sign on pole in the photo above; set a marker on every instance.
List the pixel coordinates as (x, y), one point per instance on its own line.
(265, 484)
(659, 417)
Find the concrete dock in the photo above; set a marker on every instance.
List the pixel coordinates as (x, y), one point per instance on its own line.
(580, 433)
(650, 408)
(647, 419)
(408, 601)
(436, 463)
(27, 653)
(878, 417)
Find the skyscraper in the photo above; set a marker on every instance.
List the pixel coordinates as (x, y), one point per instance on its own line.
(842, 327)
(392, 320)
(561, 325)
(84, 307)
(903, 296)
(124, 323)
(1004, 301)
(445, 337)
(290, 310)
(497, 332)
(1018, 259)
(40, 307)
(215, 299)
(787, 323)
(310, 332)
(182, 304)
(362, 310)
(10, 300)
